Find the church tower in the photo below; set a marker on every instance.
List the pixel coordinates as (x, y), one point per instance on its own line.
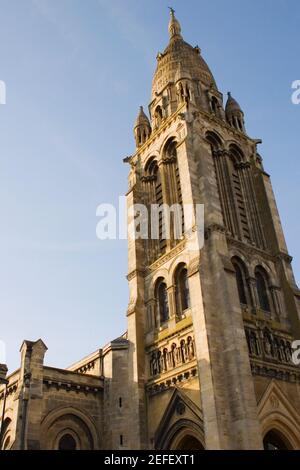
(210, 328)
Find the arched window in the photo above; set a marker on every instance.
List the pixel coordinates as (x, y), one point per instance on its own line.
(153, 188)
(173, 196)
(262, 289)
(223, 171)
(162, 301)
(67, 442)
(239, 201)
(182, 292)
(241, 281)
(247, 217)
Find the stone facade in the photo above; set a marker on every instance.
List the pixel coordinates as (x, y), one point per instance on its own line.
(206, 362)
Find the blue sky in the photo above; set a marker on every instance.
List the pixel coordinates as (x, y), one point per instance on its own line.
(76, 72)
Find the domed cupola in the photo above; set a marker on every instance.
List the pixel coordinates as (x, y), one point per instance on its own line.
(234, 114)
(142, 128)
(179, 54)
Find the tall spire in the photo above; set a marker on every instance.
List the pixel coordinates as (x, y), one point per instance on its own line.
(174, 25)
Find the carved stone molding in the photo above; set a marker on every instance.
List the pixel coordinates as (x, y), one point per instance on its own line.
(274, 402)
(220, 153)
(72, 386)
(194, 266)
(12, 389)
(250, 250)
(243, 165)
(214, 228)
(284, 257)
(175, 251)
(135, 273)
(154, 389)
(131, 307)
(275, 373)
(86, 368)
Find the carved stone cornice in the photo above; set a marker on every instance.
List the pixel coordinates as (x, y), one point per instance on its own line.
(253, 321)
(72, 386)
(135, 273)
(286, 374)
(172, 335)
(214, 228)
(166, 257)
(171, 382)
(250, 249)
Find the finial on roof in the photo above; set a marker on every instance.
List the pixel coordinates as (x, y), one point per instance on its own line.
(234, 114)
(172, 11)
(142, 128)
(232, 104)
(174, 25)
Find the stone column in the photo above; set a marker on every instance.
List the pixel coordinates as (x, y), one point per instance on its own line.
(172, 306)
(253, 292)
(275, 292)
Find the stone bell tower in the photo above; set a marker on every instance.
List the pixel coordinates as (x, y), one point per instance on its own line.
(210, 327)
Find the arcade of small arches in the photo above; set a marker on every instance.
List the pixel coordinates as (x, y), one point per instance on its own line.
(176, 354)
(256, 293)
(256, 289)
(169, 301)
